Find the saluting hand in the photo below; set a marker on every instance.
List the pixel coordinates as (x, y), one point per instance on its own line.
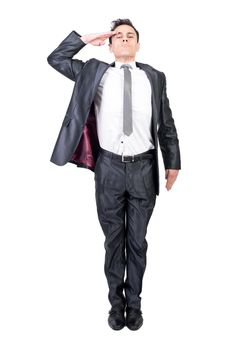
(97, 39)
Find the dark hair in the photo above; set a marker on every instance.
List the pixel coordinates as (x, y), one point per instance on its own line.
(120, 21)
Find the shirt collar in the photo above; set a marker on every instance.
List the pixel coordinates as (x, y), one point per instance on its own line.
(118, 64)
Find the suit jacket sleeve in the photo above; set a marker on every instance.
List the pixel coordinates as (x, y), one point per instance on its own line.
(61, 58)
(167, 133)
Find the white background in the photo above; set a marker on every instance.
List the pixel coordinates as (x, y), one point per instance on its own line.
(53, 291)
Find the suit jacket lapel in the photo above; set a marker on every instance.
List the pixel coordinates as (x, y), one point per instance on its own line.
(102, 68)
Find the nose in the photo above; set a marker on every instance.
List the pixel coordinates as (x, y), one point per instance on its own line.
(125, 40)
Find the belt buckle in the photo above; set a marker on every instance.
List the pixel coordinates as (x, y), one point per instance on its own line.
(127, 161)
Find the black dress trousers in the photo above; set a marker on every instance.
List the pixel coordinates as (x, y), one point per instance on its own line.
(125, 193)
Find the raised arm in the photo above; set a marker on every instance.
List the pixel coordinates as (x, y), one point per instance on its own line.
(62, 59)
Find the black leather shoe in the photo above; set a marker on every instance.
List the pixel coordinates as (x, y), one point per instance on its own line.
(116, 319)
(134, 319)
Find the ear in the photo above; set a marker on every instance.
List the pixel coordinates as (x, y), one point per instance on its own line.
(110, 47)
(138, 47)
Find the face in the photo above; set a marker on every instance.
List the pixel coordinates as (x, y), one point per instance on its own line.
(124, 43)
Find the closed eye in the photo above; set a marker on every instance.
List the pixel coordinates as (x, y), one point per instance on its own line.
(120, 36)
(129, 35)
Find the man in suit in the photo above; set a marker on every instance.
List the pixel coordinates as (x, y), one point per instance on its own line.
(117, 115)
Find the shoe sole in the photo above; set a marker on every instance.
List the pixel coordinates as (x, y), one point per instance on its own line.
(116, 328)
(135, 328)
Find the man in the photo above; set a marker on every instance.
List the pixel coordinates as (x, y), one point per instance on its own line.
(117, 114)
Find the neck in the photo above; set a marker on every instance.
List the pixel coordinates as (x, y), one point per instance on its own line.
(125, 59)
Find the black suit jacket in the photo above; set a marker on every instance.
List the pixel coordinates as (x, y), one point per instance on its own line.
(77, 141)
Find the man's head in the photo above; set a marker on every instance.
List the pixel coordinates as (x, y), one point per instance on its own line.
(125, 42)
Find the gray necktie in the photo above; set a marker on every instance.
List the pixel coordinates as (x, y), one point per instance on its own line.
(127, 100)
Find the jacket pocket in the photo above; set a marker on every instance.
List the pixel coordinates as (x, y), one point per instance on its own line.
(67, 120)
(95, 169)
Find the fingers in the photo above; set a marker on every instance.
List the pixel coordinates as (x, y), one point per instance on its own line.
(171, 175)
(106, 34)
(169, 184)
(100, 38)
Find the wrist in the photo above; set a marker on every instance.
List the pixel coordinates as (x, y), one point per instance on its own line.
(83, 39)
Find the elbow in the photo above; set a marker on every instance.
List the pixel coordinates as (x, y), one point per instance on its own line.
(51, 60)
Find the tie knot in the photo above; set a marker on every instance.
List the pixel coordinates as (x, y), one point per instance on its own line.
(126, 66)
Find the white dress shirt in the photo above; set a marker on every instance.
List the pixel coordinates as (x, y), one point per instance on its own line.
(108, 104)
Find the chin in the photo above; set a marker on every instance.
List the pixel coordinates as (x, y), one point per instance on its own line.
(126, 53)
